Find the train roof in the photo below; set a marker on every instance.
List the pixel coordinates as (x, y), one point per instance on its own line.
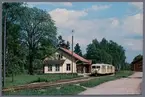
(101, 64)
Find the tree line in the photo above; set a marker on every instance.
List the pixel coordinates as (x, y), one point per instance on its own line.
(108, 52)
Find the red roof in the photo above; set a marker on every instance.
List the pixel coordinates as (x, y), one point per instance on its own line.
(76, 56)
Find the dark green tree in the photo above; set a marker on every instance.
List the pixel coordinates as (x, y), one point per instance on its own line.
(137, 57)
(15, 57)
(37, 29)
(77, 49)
(106, 52)
(68, 45)
(62, 43)
(96, 43)
(93, 53)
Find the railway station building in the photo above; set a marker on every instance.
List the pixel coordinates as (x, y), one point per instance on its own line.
(64, 61)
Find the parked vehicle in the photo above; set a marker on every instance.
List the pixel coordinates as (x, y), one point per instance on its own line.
(102, 69)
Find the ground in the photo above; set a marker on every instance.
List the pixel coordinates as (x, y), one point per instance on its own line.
(71, 88)
(130, 85)
(27, 79)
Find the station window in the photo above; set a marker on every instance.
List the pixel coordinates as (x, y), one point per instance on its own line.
(57, 67)
(68, 67)
(49, 67)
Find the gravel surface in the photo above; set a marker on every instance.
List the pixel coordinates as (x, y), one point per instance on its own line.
(130, 85)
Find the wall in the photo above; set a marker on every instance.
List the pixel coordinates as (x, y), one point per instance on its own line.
(67, 59)
(137, 66)
(53, 69)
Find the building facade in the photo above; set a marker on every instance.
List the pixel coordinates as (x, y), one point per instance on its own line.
(66, 62)
(137, 65)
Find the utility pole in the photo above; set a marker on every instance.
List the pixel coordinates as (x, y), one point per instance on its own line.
(72, 50)
(4, 58)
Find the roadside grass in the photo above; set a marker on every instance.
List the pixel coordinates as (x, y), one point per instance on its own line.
(26, 79)
(69, 89)
(100, 80)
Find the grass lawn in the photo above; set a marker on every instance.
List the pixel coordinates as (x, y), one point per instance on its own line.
(97, 81)
(70, 89)
(25, 79)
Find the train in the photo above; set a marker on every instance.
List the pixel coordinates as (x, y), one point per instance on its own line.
(102, 69)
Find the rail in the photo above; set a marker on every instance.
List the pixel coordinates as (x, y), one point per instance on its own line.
(47, 84)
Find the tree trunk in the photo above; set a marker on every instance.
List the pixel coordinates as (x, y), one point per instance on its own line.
(30, 62)
(30, 65)
(43, 68)
(12, 77)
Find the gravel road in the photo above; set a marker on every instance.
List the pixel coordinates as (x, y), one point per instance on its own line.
(130, 85)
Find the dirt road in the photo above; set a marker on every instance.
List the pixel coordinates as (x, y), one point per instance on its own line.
(130, 85)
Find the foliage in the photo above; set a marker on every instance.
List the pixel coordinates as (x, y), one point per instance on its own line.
(15, 57)
(31, 35)
(107, 52)
(37, 31)
(77, 49)
(62, 43)
(137, 57)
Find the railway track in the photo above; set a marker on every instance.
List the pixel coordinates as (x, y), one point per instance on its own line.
(47, 84)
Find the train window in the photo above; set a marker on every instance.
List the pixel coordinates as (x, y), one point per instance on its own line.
(93, 66)
(98, 67)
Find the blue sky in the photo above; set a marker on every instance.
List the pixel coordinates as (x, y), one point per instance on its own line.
(121, 22)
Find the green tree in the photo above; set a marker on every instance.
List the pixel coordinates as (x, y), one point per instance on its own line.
(93, 53)
(118, 54)
(61, 41)
(37, 29)
(68, 45)
(106, 52)
(96, 43)
(77, 49)
(137, 57)
(14, 55)
(104, 44)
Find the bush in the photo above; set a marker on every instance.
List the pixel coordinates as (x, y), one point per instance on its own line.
(39, 80)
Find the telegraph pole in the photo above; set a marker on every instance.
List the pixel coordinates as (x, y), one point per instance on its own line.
(4, 58)
(72, 50)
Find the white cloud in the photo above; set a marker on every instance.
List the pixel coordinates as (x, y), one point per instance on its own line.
(134, 24)
(111, 28)
(97, 7)
(65, 4)
(115, 22)
(86, 30)
(134, 45)
(65, 18)
(33, 4)
(138, 5)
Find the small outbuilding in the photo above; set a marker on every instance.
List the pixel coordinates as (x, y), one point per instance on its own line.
(137, 65)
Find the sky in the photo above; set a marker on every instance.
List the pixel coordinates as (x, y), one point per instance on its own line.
(121, 22)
